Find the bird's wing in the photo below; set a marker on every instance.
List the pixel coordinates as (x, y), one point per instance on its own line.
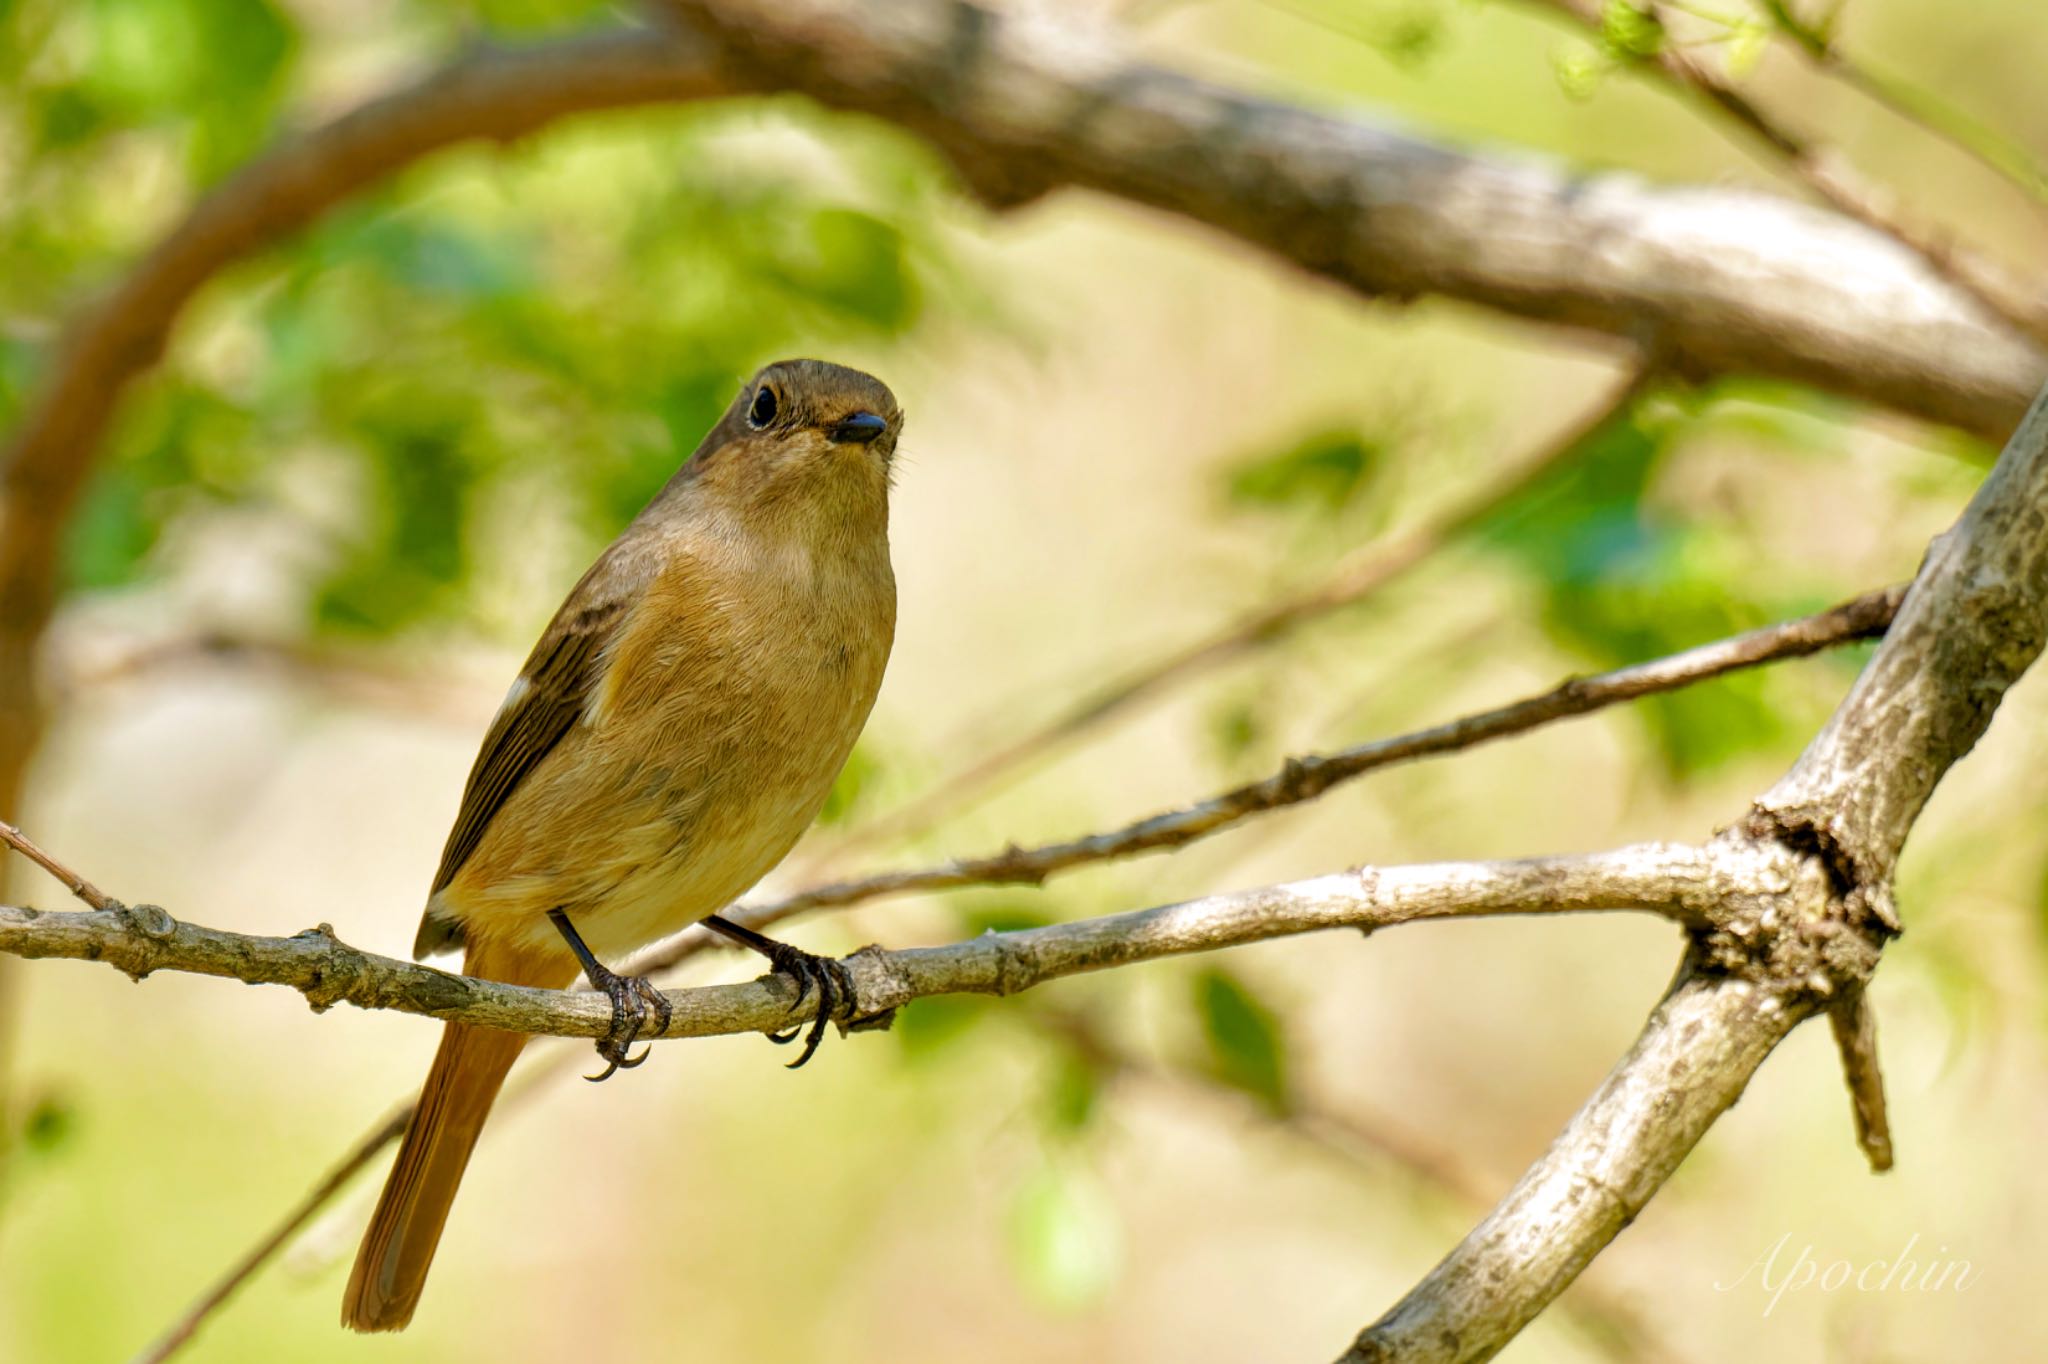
(550, 697)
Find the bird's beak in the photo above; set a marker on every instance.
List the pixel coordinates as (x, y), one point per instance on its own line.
(858, 429)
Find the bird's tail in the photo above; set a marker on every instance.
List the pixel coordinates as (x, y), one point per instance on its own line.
(398, 1249)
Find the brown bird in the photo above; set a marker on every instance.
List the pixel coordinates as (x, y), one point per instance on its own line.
(670, 737)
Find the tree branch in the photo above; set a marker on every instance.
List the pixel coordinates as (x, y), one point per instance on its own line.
(1854, 1024)
(1358, 575)
(1820, 846)
(72, 881)
(1304, 779)
(1691, 1063)
(1863, 617)
(1825, 172)
(1974, 619)
(1671, 880)
(1718, 280)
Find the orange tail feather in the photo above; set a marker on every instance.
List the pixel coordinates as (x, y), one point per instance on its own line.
(398, 1249)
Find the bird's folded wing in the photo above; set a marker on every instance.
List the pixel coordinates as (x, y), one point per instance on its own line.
(553, 690)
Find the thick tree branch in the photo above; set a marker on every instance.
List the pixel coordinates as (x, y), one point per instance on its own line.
(1827, 173)
(1672, 880)
(1717, 280)
(1822, 844)
(1692, 1061)
(1974, 619)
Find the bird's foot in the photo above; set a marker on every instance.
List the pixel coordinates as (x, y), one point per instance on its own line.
(834, 984)
(828, 976)
(634, 1000)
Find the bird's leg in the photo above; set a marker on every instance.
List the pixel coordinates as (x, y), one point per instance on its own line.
(833, 981)
(632, 997)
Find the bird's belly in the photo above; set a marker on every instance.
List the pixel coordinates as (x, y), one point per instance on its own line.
(638, 828)
(691, 863)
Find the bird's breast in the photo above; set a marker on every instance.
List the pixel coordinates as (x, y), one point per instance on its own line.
(729, 703)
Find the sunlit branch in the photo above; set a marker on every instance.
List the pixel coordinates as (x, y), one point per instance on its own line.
(1667, 879)
(1827, 838)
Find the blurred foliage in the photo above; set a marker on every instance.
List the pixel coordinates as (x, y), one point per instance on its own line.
(1066, 1242)
(1623, 572)
(853, 786)
(1326, 472)
(1409, 34)
(1625, 575)
(544, 332)
(1246, 1049)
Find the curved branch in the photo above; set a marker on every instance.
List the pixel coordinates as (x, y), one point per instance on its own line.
(1716, 280)
(1824, 840)
(1676, 881)
(498, 95)
(1827, 173)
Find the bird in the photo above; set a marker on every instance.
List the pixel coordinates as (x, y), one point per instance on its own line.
(675, 730)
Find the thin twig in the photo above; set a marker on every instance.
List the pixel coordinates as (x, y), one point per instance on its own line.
(1357, 576)
(187, 1326)
(76, 884)
(1854, 1024)
(1830, 176)
(1988, 147)
(1304, 779)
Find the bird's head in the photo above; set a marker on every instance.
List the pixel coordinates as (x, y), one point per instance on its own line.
(802, 434)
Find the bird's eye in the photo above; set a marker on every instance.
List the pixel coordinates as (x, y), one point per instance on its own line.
(763, 410)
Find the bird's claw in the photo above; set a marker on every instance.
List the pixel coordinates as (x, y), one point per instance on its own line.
(634, 1000)
(834, 984)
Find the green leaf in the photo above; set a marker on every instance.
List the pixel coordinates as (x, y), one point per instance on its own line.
(1236, 728)
(1630, 32)
(49, 1125)
(1625, 581)
(1746, 47)
(1580, 69)
(414, 549)
(1326, 472)
(1007, 915)
(859, 267)
(167, 454)
(1246, 1049)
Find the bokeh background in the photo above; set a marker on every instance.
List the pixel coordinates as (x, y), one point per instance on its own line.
(375, 457)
